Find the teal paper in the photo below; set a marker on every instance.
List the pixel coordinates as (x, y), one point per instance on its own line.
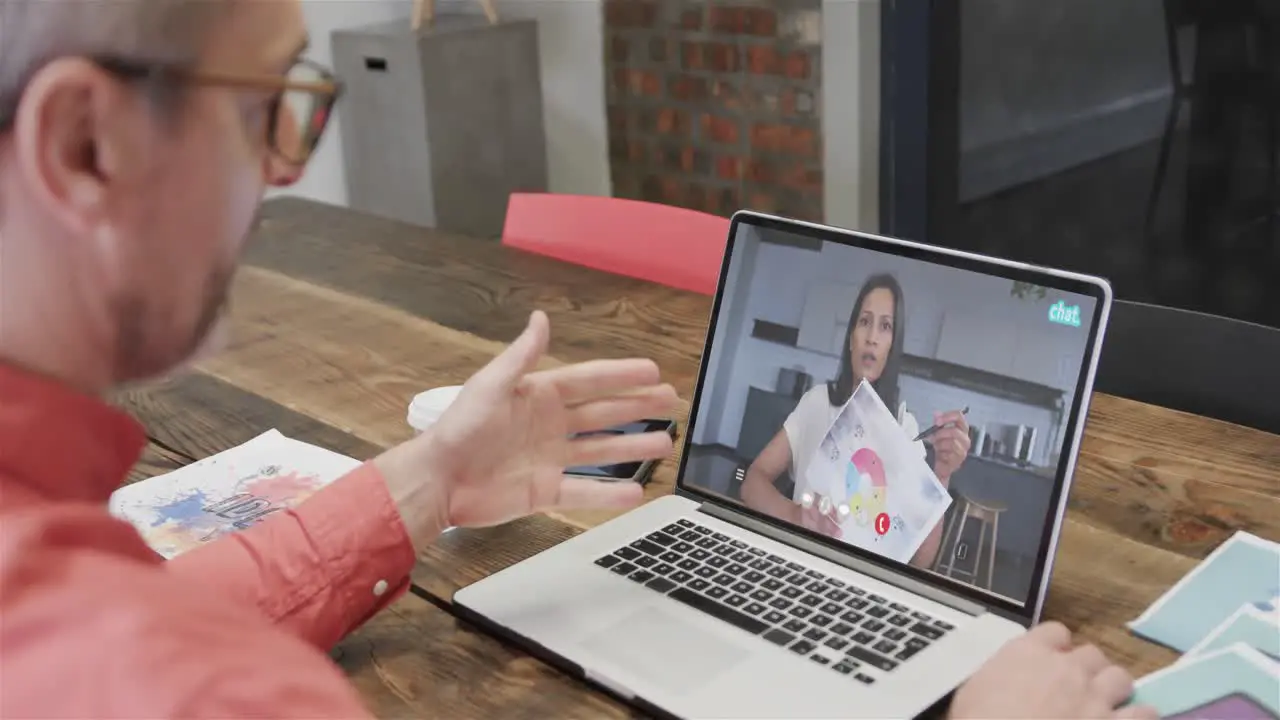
(1245, 570)
(1187, 685)
(1249, 626)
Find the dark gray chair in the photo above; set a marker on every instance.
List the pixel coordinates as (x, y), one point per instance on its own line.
(1198, 363)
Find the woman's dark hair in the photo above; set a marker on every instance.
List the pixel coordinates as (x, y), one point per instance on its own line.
(839, 390)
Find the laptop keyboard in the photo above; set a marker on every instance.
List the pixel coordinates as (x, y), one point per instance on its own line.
(854, 632)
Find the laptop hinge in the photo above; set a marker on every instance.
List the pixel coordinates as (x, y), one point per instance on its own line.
(886, 575)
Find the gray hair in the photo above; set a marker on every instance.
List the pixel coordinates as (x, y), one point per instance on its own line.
(35, 32)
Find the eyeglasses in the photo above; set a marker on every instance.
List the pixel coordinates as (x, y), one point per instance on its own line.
(300, 108)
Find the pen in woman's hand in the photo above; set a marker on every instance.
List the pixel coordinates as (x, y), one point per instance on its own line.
(936, 428)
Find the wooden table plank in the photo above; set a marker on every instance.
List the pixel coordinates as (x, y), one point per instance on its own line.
(156, 460)
(414, 660)
(1184, 444)
(478, 286)
(355, 364)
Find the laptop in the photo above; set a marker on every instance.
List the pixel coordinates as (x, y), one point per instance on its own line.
(713, 603)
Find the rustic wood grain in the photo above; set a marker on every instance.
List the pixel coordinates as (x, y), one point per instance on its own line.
(414, 660)
(1183, 444)
(480, 287)
(341, 318)
(355, 364)
(196, 415)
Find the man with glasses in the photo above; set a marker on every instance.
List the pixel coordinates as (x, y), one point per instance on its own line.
(136, 140)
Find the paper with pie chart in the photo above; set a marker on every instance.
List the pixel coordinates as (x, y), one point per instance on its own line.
(866, 463)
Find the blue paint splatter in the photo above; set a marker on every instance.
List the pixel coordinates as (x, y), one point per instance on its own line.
(183, 510)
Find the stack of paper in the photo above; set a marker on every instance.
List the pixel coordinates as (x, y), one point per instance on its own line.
(1224, 617)
(226, 492)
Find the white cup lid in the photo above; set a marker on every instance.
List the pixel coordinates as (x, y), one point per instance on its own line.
(427, 407)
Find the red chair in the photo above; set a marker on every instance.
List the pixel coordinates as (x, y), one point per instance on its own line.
(667, 245)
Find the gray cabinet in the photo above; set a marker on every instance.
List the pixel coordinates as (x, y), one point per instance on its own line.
(1026, 494)
(766, 411)
(440, 126)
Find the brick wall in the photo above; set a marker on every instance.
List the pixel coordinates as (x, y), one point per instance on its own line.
(714, 104)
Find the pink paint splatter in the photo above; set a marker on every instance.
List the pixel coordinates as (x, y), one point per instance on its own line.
(285, 488)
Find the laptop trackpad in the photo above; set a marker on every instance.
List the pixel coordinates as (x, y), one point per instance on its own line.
(664, 649)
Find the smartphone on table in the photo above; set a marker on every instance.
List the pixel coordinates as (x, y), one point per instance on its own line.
(637, 472)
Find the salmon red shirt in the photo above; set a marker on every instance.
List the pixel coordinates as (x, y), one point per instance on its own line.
(93, 624)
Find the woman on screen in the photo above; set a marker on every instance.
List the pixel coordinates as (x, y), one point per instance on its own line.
(872, 352)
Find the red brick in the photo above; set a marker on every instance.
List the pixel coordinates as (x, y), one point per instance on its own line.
(694, 197)
(729, 168)
(617, 149)
(759, 171)
(652, 85)
(670, 121)
(630, 150)
(727, 94)
(797, 103)
(763, 60)
(726, 19)
(761, 22)
(691, 56)
(693, 161)
(724, 201)
(686, 87)
(637, 82)
(802, 178)
(713, 56)
(672, 190)
(659, 49)
(650, 188)
(618, 49)
(630, 13)
(797, 66)
(790, 139)
(636, 150)
(617, 120)
(719, 129)
(762, 202)
(690, 20)
(720, 57)
(681, 159)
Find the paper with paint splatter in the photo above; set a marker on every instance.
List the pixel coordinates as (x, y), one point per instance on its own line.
(226, 492)
(867, 464)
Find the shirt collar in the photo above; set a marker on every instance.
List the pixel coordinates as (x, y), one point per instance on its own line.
(61, 444)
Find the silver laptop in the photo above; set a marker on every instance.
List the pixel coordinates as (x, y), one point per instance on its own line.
(714, 603)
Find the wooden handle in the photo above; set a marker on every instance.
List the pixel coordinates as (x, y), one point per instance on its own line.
(490, 11)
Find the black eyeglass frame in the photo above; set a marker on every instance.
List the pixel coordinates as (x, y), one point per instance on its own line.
(327, 91)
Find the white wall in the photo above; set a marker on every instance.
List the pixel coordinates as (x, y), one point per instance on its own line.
(571, 43)
(781, 279)
(851, 113)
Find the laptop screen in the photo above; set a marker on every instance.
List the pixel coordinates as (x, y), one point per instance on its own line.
(909, 403)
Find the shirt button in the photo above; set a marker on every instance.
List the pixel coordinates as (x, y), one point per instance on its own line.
(379, 588)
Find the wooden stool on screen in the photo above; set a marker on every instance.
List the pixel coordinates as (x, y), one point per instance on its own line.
(987, 514)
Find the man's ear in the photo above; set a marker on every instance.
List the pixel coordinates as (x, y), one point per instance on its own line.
(76, 125)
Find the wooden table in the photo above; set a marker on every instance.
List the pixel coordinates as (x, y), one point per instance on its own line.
(340, 318)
